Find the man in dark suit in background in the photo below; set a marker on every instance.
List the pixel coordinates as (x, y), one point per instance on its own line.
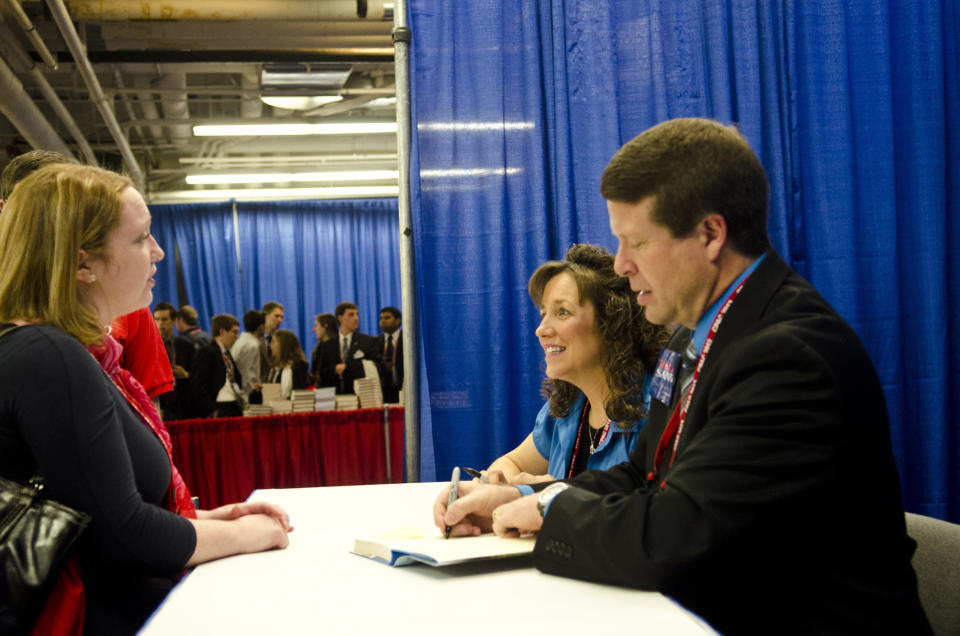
(342, 357)
(763, 494)
(214, 378)
(390, 345)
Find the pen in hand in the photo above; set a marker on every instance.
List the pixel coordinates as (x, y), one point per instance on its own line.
(452, 496)
(476, 474)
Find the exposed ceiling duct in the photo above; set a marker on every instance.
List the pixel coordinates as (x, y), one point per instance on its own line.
(143, 80)
(308, 10)
(20, 110)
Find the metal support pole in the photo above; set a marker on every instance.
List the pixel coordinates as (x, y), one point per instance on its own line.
(386, 440)
(408, 296)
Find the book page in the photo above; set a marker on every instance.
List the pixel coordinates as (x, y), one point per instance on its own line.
(429, 546)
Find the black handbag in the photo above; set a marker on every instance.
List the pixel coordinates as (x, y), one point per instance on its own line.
(36, 537)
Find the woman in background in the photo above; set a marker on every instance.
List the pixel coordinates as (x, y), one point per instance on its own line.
(289, 363)
(75, 253)
(325, 328)
(600, 354)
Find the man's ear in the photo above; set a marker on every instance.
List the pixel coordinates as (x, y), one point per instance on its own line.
(713, 232)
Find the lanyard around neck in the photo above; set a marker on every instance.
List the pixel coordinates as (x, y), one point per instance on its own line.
(674, 428)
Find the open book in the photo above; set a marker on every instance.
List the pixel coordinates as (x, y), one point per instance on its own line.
(408, 545)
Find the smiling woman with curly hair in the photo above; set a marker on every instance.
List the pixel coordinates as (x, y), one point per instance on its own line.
(600, 355)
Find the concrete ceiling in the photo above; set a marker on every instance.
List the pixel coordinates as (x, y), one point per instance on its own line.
(162, 67)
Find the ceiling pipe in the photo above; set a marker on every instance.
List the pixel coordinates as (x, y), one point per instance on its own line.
(72, 39)
(147, 104)
(31, 32)
(251, 106)
(175, 107)
(25, 64)
(98, 10)
(20, 110)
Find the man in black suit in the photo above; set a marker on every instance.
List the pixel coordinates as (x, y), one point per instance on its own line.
(341, 358)
(763, 494)
(214, 378)
(390, 346)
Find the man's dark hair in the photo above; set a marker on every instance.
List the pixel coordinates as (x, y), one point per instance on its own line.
(393, 311)
(222, 322)
(188, 315)
(270, 306)
(343, 307)
(166, 307)
(252, 320)
(22, 165)
(692, 168)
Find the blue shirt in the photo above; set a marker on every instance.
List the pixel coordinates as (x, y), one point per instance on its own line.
(703, 325)
(555, 438)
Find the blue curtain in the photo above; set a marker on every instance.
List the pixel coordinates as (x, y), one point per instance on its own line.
(306, 255)
(851, 105)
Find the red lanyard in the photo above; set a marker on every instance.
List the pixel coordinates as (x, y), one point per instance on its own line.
(576, 444)
(675, 426)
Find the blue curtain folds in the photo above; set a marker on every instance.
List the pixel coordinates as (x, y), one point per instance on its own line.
(853, 107)
(306, 255)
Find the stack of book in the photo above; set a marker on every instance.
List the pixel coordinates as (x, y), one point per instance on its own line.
(368, 392)
(347, 401)
(324, 399)
(271, 392)
(258, 409)
(280, 406)
(302, 400)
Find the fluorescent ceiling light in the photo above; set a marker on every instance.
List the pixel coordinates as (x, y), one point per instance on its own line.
(257, 130)
(268, 194)
(299, 103)
(293, 177)
(468, 172)
(464, 126)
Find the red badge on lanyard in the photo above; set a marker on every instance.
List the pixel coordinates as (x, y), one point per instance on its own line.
(674, 428)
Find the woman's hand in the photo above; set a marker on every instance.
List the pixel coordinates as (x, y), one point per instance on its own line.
(237, 510)
(527, 478)
(239, 529)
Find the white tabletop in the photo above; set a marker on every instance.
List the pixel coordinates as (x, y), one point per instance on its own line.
(316, 586)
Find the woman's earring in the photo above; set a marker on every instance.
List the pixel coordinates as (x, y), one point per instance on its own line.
(93, 278)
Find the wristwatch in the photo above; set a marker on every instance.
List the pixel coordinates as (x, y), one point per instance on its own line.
(547, 495)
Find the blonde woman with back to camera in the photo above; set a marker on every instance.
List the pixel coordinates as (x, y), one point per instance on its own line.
(76, 252)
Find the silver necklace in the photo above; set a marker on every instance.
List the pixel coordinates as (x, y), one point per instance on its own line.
(593, 442)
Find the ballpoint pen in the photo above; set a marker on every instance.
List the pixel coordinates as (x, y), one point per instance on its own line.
(454, 487)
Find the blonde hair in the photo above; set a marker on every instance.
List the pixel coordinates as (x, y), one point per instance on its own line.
(52, 215)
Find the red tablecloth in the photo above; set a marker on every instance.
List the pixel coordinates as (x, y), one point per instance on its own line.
(223, 460)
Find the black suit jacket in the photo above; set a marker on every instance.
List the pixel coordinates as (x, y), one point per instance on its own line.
(782, 512)
(391, 389)
(362, 347)
(207, 376)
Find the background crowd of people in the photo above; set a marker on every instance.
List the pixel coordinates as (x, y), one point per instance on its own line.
(217, 374)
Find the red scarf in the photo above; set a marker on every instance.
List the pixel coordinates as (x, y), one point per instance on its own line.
(108, 354)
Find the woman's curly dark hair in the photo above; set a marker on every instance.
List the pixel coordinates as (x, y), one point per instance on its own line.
(629, 344)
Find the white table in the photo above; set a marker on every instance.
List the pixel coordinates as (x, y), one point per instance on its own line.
(316, 586)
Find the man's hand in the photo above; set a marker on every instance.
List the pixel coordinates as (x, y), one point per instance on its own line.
(340, 368)
(471, 513)
(517, 517)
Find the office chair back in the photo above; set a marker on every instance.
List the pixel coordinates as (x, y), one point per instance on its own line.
(937, 564)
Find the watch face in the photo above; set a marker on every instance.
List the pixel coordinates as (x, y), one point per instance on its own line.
(548, 494)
